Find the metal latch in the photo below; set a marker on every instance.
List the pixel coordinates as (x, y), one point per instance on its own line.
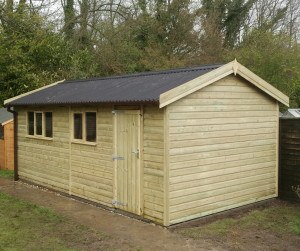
(137, 152)
(117, 158)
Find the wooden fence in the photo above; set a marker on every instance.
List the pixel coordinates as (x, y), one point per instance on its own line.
(289, 158)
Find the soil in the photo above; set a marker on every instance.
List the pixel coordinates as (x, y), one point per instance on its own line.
(124, 233)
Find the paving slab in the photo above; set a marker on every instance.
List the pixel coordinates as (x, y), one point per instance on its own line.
(147, 236)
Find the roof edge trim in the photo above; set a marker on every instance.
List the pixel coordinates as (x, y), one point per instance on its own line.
(262, 85)
(7, 101)
(217, 74)
(194, 85)
(6, 122)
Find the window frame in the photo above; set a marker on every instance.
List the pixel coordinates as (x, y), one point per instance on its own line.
(84, 134)
(35, 135)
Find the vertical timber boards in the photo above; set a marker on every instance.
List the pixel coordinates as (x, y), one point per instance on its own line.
(127, 184)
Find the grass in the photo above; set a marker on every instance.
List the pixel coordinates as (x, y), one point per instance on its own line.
(24, 226)
(8, 174)
(278, 219)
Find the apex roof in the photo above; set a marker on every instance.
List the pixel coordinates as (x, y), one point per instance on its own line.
(161, 87)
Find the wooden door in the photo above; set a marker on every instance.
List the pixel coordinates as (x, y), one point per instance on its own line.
(127, 181)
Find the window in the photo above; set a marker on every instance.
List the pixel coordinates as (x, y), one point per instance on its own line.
(40, 124)
(48, 125)
(90, 125)
(77, 126)
(85, 126)
(30, 123)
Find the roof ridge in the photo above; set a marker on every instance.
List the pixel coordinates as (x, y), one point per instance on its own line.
(150, 73)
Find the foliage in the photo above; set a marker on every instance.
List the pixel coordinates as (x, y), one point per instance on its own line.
(229, 16)
(271, 57)
(30, 55)
(101, 38)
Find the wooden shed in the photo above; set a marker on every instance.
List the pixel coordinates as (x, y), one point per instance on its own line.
(169, 146)
(6, 140)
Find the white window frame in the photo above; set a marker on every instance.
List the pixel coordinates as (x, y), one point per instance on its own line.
(83, 140)
(35, 135)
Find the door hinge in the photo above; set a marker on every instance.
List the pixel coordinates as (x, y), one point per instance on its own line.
(117, 158)
(118, 203)
(114, 112)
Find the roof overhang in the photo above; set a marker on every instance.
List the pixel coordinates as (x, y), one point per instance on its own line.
(233, 67)
(7, 101)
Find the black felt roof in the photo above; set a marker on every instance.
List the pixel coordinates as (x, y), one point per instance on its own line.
(141, 87)
(5, 115)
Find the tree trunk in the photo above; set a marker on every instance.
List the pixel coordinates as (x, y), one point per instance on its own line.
(69, 19)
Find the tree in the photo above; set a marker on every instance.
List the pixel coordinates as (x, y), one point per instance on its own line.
(69, 18)
(229, 17)
(272, 58)
(31, 54)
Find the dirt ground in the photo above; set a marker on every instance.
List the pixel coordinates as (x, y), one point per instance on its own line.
(265, 226)
(125, 233)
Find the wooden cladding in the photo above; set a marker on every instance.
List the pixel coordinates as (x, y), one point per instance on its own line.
(211, 150)
(289, 165)
(86, 169)
(222, 149)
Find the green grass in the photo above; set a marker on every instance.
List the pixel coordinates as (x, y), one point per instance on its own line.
(281, 219)
(296, 225)
(24, 226)
(8, 174)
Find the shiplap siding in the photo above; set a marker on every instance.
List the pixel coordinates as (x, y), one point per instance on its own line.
(91, 165)
(85, 170)
(45, 162)
(222, 149)
(153, 138)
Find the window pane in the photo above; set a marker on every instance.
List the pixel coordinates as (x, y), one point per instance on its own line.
(48, 124)
(1, 132)
(39, 123)
(90, 120)
(77, 126)
(30, 122)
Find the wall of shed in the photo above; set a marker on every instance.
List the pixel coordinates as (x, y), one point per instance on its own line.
(222, 149)
(7, 147)
(45, 162)
(85, 170)
(153, 138)
(92, 166)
